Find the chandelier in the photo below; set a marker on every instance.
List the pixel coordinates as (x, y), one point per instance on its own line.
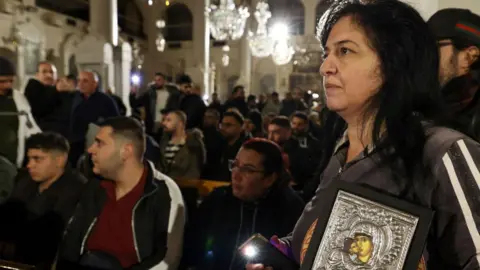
(15, 37)
(260, 43)
(282, 53)
(226, 21)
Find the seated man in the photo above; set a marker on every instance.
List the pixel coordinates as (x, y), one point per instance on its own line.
(133, 220)
(259, 200)
(42, 200)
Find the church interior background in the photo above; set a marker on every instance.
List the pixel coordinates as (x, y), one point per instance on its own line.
(119, 38)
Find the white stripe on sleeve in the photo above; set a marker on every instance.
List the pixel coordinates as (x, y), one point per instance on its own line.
(462, 201)
(471, 164)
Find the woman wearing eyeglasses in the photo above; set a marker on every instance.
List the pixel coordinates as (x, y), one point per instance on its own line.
(259, 200)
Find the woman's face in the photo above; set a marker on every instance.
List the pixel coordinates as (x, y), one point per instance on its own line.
(249, 181)
(351, 69)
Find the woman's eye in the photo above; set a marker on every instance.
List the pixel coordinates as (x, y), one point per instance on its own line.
(344, 51)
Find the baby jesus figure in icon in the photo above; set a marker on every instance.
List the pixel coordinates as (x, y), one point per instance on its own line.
(359, 248)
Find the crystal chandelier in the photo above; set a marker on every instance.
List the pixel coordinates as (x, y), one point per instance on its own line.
(260, 43)
(14, 38)
(226, 21)
(282, 53)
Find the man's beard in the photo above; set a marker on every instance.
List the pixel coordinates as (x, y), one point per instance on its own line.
(450, 71)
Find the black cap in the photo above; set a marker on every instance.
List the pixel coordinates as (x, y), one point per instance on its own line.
(454, 23)
(6, 67)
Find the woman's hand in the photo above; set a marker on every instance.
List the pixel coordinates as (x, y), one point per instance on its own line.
(257, 267)
(279, 244)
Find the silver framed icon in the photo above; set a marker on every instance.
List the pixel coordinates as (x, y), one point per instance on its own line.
(367, 229)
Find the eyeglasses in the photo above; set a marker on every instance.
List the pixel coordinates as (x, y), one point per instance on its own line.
(245, 170)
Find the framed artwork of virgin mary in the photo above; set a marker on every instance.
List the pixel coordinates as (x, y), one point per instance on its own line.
(367, 229)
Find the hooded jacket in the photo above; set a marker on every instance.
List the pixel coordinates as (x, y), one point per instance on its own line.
(223, 222)
(189, 159)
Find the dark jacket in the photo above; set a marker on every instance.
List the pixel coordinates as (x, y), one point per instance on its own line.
(149, 102)
(155, 214)
(84, 111)
(189, 160)
(36, 221)
(43, 100)
(224, 222)
(61, 197)
(228, 154)
(451, 190)
(194, 107)
(291, 106)
(304, 157)
(8, 171)
(238, 103)
(462, 96)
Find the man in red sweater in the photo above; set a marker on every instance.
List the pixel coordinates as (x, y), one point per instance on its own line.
(125, 221)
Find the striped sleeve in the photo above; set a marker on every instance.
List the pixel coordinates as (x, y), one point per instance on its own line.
(456, 224)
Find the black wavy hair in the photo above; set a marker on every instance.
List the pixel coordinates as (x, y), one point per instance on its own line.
(410, 92)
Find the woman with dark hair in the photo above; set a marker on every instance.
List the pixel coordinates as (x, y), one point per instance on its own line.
(259, 200)
(380, 73)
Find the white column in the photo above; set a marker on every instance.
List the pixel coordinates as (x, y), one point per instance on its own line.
(206, 52)
(310, 11)
(104, 20)
(245, 63)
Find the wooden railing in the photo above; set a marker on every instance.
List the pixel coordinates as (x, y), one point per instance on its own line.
(204, 187)
(14, 266)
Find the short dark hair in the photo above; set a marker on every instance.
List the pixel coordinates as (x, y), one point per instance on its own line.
(48, 142)
(214, 112)
(127, 128)
(238, 117)
(160, 74)
(237, 89)
(281, 121)
(184, 79)
(181, 115)
(300, 115)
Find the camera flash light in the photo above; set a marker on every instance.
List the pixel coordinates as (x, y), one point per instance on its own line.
(250, 251)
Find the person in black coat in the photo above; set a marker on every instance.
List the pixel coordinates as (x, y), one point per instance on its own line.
(42, 201)
(89, 106)
(237, 101)
(259, 200)
(194, 107)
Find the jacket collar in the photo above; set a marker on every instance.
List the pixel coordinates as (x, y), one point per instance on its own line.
(150, 185)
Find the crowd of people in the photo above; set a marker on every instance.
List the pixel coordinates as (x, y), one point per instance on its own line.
(84, 186)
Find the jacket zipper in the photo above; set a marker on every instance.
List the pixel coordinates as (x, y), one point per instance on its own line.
(82, 247)
(133, 225)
